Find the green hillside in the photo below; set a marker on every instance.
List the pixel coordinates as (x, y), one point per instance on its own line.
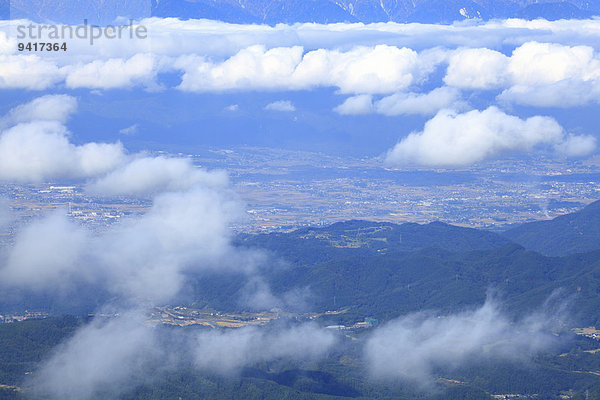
(568, 234)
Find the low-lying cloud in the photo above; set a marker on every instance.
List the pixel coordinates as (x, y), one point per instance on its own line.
(148, 175)
(103, 358)
(142, 258)
(227, 352)
(111, 356)
(410, 348)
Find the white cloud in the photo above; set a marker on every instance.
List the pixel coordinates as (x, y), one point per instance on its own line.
(391, 57)
(40, 150)
(403, 103)
(379, 69)
(422, 104)
(411, 347)
(252, 68)
(143, 258)
(37, 146)
(563, 94)
(477, 69)
(41, 256)
(108, 357)
(577, 146)
(102, 359)
(45, 108)
(281, 105)
(113, 73)
(539, 64)
(148, 175)
(28, 72)
(451, 139)
(227, 352)
(130, 130)
(8, 44)
(536, 74)
(355, 105)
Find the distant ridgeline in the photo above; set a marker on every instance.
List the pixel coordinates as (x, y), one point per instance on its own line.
(384, 269)
(292, 11)
(366, 11)
(568, 234)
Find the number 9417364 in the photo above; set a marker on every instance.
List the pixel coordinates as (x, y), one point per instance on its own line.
(42, 46)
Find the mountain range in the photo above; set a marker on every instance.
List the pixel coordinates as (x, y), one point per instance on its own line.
(578, 232)
(368, 11)
(299, 11)
(385, 269)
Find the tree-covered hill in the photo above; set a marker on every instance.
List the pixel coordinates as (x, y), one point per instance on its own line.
(567, 234)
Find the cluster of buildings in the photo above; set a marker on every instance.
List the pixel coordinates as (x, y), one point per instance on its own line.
(9, 318)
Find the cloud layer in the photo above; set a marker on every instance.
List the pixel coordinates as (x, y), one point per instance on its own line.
(390, 57)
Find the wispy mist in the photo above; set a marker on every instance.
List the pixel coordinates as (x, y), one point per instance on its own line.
(411, 347)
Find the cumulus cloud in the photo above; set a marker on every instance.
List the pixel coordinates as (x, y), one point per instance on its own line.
(356, 105)
(379, 69)
(281, 105)
(113, 73)
(252, 68)
(452, 139)
(562, 94)
(531, 64)
(29, 72)
(477, 69)
(215, 56)
(546, 63)
(37, 146)
(536, 74)
(577, 145)
(45, 108)
(422, 104)
(40, 150)
(403, 103)
(411, 347)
